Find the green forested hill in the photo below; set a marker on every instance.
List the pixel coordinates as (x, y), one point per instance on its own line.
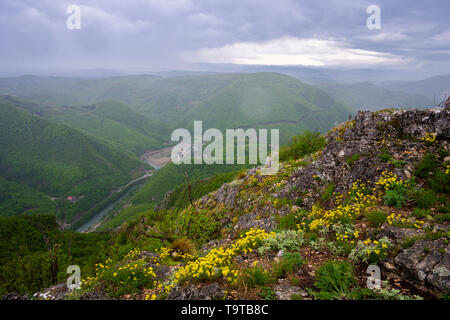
(117, 123)
(168, 99)
(16, 198)
(57, 160)
(31, 245)
(110, 120)
(268, 100)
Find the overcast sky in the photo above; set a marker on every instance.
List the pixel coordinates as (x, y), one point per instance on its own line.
(156, 35)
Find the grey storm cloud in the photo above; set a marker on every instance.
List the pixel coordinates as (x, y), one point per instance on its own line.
(170, 34)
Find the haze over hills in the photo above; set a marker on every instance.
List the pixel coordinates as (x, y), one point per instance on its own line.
(81, 137)
(436, 88)
(51, 158)
(221, 101)
(58, 91)
(166, 95)
(311, 74)
(367, 96)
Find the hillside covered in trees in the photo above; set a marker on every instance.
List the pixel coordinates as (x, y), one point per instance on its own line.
(42, 163)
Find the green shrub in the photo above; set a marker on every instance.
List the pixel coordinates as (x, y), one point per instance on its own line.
(27, 274)
(288, 222)
(444, 207)
(362, 294)
(427, 166)
(394, 198)
(340, 247)
(255, 276)
(328, 192)
(370, 251)
(376, 218)
(443, 217)
(199, 228)
(397, 163)
(432, 169)
(442, 200)
(267, 293)
(294, 281)
(385, 157)
(440, 182)
(305, 144)
(420, 213)
(296, 296)
(128, 277)
(334, 279)
(287, 264)
(423, 198)
(446, 296)
(285, 153)
(352, 159)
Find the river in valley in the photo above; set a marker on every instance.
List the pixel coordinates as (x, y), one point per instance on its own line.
(98, 217)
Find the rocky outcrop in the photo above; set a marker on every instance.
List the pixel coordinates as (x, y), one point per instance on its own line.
(426, 264)
(251, 220)
(396, 234)
(284, 290)
(354, 150)
(15, 296)
(208, 292)
(362, 149)
(95, 296)
(57, 292)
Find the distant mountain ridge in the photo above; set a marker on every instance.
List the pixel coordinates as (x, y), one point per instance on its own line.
(436, 88)
(368, 96)
(221, 100)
